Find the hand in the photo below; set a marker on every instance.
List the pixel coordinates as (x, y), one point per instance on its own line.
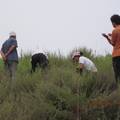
(108, 37)
(6, 54)
(3, 56)
(109, 34)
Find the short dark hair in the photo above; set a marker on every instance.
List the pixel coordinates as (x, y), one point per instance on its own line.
(13, 37)
(81, 53)
(115, 19)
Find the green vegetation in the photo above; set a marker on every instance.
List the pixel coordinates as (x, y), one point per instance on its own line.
(59, 92)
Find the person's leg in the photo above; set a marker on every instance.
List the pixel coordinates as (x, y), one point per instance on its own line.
(7, 73)
(13, 69)
(116, 67)
(7, 69)
(34, 65)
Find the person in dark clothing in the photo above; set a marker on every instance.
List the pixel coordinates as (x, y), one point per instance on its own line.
(39, 59)
(114, 40)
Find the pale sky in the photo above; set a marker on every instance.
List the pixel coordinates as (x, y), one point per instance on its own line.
(53, 25)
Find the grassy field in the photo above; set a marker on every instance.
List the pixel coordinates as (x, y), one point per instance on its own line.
(60, 93)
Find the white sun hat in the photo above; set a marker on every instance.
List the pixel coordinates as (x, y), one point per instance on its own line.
(12, 34)
(76, 54)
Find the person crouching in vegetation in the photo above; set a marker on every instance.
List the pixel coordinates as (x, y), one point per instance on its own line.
(84, 63)
(39, 60)
(114, 40)
(10, 55)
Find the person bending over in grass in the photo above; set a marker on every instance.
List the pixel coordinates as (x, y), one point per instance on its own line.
(84, 63)
(114, 40)
(39, 60)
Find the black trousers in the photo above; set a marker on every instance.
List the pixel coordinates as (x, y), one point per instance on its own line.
(116, 67)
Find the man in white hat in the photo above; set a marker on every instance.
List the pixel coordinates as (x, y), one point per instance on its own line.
(84, 63)
(10, 55)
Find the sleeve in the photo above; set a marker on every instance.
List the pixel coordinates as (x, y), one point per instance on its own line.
(14, 42)
(114, 37)
(81, 60)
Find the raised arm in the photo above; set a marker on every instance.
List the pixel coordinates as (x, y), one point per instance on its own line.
(108, 37)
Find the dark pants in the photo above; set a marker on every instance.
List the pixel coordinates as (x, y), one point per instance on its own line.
(116, 67)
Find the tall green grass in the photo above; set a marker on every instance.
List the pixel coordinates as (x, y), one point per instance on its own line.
(59, 92)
